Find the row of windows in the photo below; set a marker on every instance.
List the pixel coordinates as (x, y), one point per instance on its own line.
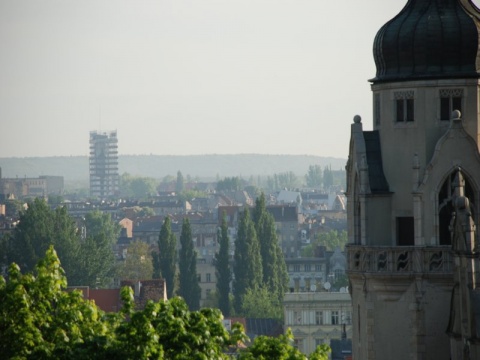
(208, 277)
(450, 100)
(305, 267)
(319, 317)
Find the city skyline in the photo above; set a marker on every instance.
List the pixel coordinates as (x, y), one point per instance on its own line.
(186, 78)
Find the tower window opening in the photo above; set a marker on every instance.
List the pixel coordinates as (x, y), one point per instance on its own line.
(405, 231)
(404, 105)
(450, 100)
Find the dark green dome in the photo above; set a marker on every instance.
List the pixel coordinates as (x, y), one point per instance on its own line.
(429, 39)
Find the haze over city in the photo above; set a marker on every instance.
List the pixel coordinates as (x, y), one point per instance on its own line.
(186, 77)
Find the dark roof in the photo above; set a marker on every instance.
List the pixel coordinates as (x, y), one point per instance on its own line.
(267, 327)
(283, 213)
(376, 177)
(429, 39)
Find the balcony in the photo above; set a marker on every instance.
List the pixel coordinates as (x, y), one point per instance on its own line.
(398, 260)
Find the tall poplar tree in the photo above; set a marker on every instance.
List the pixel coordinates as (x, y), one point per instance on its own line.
(165, 265)
(275, 276)
(247, 267)
(222, 267)
(189, 287)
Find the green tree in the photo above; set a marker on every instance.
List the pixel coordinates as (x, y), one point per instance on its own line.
(138, 263)
(230, 184)
(280, 348)
(40, 320)
(164, 266)
(137, 187)
(188, 195)
(189, 288)
(222, 267)
(13, 207)
(332, 239)
(287, 180)
(96, 258)
(180, 186)
(260, 302)
(275, 276)
(247, 268)
(313, 178)
(327, 177)
(38, 228)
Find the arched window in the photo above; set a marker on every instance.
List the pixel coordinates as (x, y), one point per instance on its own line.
(446, 208)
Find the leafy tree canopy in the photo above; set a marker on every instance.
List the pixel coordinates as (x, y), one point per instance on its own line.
(40, 320)
(138, 263)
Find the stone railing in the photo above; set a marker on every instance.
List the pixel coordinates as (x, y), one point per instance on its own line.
(399, 259)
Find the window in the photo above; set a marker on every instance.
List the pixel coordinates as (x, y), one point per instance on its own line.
(318, 267)
(318, 342)
(307, 267)
(377, 109)
(319, 317)
(450, 99)
(335, 318)
(296, 268)
(405, 231)
(199, 277)
(208, 277)
(404, 106)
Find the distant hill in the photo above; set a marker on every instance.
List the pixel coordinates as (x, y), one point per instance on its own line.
(75, 168)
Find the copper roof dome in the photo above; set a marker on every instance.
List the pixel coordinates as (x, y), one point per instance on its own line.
(429, 39)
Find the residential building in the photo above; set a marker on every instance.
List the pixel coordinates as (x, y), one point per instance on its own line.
(287, 221)
(103, 160)
(318, 317)
(413, 190)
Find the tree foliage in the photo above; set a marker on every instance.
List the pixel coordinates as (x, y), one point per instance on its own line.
(180, 184)
(40, 320)
(137, 187)
(138, 264)
(222, 268)
(38, 228)
(259, 302)
(247, 266)
(189, 288)
(331, 240)
(313, 178)
(280, 348)
(275, 276)
(97, 261)
(167, 251)
(230, 184)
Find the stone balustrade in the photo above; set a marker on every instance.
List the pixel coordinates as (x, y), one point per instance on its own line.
(399, 259)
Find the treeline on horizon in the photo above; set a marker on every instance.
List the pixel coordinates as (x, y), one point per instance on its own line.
(75, 168)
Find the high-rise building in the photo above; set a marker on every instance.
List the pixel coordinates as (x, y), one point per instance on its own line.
(104, 179)
(413, 190)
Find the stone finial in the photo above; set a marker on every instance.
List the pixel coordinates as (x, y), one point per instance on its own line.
(357, 119)
(456, 115)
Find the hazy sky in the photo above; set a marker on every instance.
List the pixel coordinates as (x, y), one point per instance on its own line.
(186, 77)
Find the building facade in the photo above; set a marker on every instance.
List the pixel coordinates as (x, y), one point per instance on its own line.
(411, 286)
(103, 161)
(318, 317)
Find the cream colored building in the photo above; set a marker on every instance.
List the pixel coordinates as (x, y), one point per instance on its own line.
(207, 279)
(317, 317)
(414, 289)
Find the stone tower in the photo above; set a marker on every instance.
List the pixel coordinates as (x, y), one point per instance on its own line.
(401, 185)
